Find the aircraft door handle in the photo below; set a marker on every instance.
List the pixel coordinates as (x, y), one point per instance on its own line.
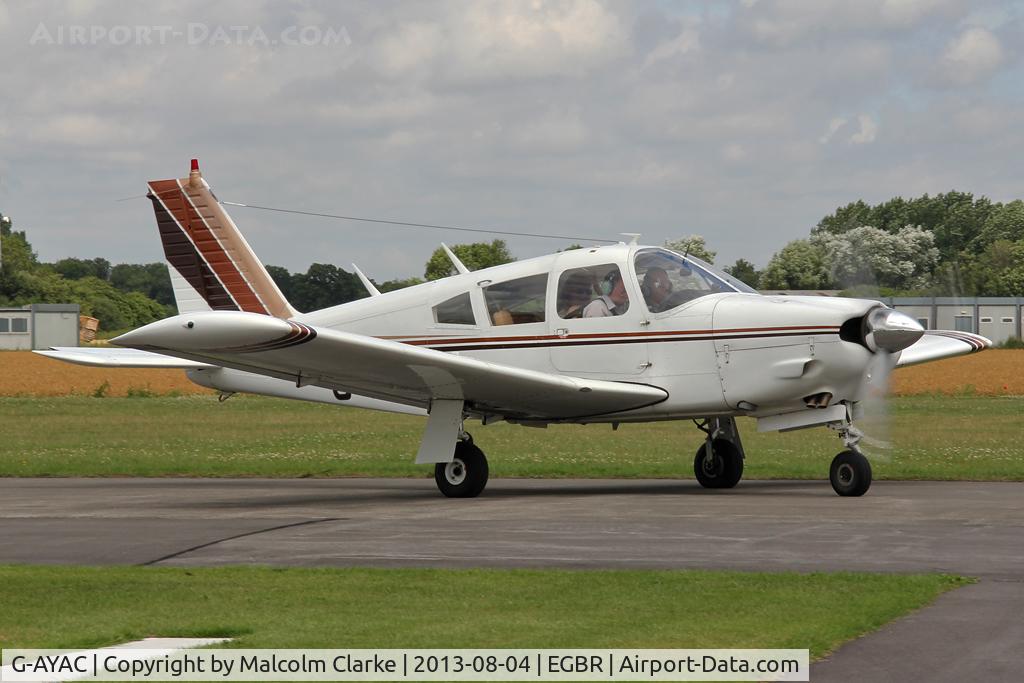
(562, 332)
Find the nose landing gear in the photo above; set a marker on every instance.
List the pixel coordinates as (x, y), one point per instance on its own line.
(850, 473)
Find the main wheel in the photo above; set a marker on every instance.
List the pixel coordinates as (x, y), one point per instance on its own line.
(466, 475)
(850, 474)
(723, 470)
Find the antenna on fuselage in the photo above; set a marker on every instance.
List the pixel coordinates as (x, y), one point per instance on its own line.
(634, 237)
(366, 281)
(459, 265)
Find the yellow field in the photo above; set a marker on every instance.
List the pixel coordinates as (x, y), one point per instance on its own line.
(23, 373)
(992, 373)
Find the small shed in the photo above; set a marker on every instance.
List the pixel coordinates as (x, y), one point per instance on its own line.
(39, 326)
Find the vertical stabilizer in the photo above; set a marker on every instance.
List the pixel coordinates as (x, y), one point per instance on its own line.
(212, 266)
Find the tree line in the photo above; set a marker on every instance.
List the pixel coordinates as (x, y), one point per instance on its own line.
(950, 244)
(947, 244)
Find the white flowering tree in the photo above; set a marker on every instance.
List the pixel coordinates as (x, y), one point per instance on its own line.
(694, 245)
(871, 256)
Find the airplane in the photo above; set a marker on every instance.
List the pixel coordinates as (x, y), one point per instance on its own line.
(612, 334)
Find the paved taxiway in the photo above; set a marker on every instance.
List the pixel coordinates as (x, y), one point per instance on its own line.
(969, 528)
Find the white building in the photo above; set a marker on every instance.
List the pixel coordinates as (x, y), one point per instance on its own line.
(38, 326)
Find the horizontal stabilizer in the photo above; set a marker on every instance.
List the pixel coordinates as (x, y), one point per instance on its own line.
(118, 358)
(939, 344)
(384, 369)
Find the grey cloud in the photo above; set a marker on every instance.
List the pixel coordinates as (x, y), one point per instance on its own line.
(580, 118)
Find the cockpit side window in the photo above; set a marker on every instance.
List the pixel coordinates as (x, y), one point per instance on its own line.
(455, 311)
(517, 301)
(668, 280)
(592, 292)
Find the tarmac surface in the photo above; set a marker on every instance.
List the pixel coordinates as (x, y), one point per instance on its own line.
(968, 528)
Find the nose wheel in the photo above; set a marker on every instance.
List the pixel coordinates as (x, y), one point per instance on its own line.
(850, 473)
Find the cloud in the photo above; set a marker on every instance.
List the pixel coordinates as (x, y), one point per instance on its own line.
(686, 42)
(833, 126)
(867, 133)
(972, 56)
(581, 117)
(503, 39)
(783, 23)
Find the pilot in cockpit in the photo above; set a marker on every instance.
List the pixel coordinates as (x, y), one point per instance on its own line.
(656, 288)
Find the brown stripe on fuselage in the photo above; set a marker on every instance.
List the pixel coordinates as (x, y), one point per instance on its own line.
(624, 337)
(654, 338)
(194, 225)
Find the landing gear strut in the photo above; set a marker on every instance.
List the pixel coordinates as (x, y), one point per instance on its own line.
(850, 472)
(718, 464)
(466, 475)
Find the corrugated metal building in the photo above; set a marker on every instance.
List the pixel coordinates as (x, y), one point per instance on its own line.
(38, 326)
(997, 318)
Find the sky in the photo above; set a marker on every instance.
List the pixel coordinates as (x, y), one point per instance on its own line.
(745, 122)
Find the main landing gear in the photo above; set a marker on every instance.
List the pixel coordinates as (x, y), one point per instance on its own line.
(466, 475)
(850, 472)
(718, 464)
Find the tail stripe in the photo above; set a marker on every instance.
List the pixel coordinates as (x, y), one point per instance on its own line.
(206, 247)
(183, 255)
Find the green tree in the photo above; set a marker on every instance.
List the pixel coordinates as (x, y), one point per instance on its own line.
(16, 253)
(392, 285)
(997, 271)
(694, 245)
(798, 265)
(1005, 222)
(151, 279)
(77, 268)
(475, 256)
(845, 218)
(324, 285)
(744, 271)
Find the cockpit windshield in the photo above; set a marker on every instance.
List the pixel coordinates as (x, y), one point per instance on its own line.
(668, 279)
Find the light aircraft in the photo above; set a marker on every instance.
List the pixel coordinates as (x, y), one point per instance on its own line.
(609, 334)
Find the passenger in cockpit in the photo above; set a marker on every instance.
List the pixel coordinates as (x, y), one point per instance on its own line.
(613, 300)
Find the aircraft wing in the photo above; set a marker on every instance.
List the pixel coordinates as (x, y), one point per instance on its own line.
(99, 356)
(938, 344)
(383, 369)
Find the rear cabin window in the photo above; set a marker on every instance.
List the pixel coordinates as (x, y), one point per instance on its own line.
(517, 301)
(455, 311)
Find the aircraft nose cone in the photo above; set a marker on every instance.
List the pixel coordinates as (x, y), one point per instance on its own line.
(889, 330)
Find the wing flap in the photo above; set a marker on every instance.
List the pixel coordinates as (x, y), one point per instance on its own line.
(939, 344)
(117, 358)
(383, 369)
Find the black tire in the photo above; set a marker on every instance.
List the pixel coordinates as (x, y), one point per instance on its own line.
(466, 475)
(850, 474)
(725, 469)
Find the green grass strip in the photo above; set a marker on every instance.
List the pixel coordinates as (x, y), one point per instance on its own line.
(979, 438)
(80, 607)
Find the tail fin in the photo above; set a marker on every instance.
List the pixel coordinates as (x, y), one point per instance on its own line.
(212, 266)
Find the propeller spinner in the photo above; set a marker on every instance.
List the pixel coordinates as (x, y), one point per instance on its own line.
(890, 331)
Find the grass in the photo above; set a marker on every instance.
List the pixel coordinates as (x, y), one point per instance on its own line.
(81, 607)
(936, 437)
